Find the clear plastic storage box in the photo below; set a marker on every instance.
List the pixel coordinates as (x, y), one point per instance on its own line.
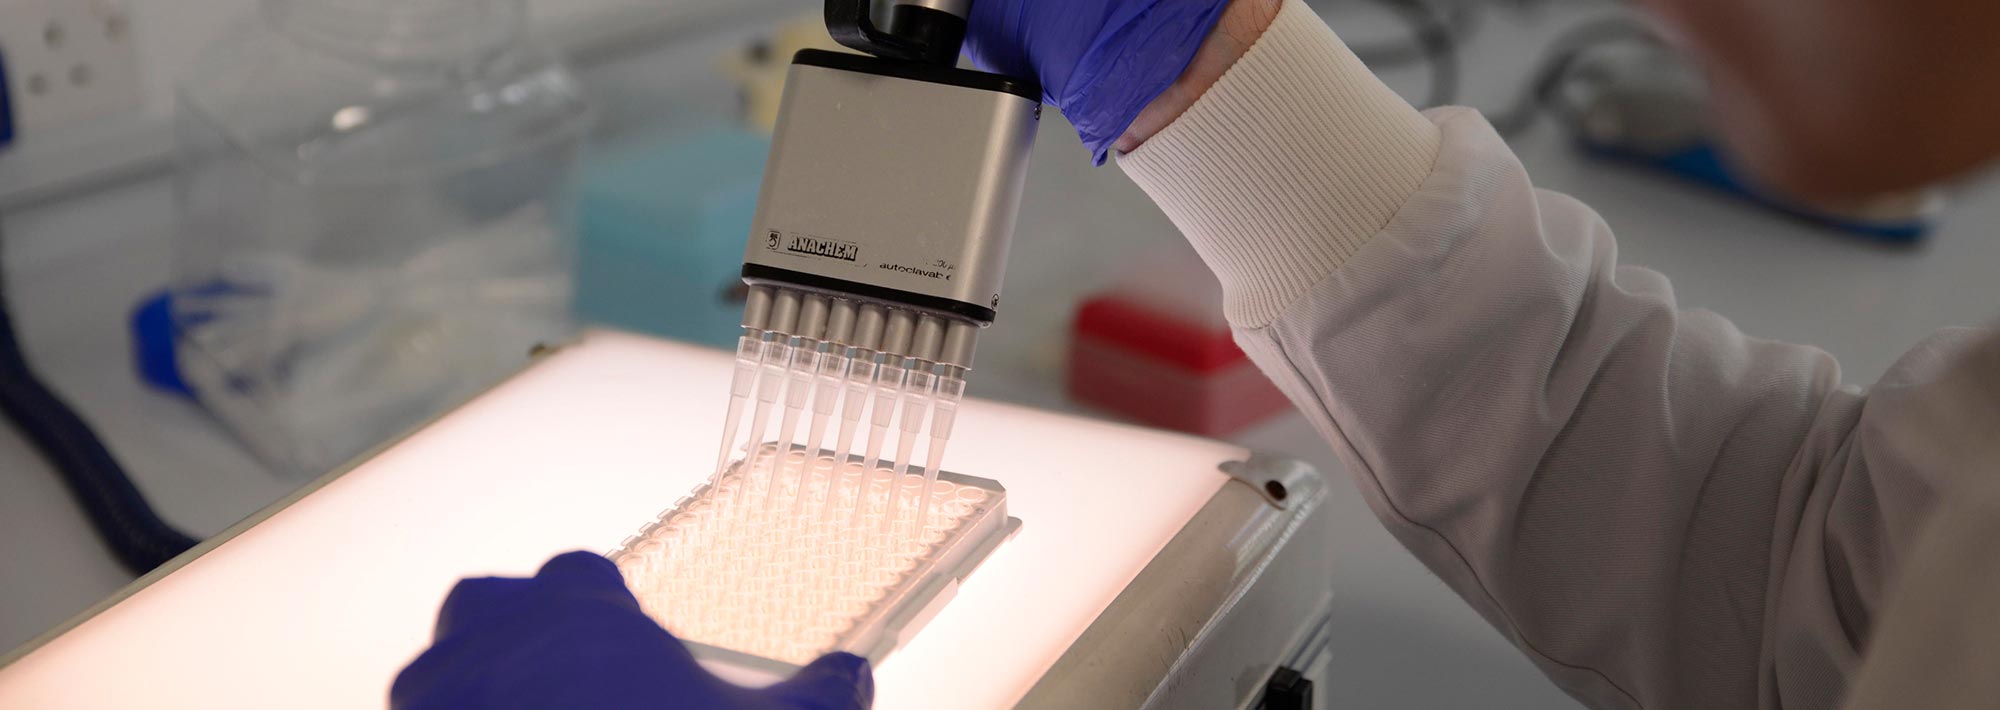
(371, 217)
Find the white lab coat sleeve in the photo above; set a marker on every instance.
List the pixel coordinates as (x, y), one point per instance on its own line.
(1660, 511)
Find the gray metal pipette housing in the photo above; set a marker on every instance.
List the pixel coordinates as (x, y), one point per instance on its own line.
(896, 178)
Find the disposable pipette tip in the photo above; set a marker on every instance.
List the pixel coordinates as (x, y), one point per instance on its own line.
(860, 501)
(904, 445)
(760, 417)
(749, 359)
(842, 451)
(787, 428)
(904, 448)
(729, 423)
(875, 435)
(814, 435)
(933, 461)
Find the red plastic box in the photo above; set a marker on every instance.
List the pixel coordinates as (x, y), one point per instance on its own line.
(1166, 367)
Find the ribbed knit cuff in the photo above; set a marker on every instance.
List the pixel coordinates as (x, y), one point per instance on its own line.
(1295, 158)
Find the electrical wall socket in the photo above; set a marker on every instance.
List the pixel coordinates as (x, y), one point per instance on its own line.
(68, 61)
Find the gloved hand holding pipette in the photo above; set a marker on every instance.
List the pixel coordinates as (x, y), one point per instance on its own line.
(1102, 62)
(572, 637)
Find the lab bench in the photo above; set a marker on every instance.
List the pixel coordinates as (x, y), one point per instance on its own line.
(1144, 563)
(1396, 636)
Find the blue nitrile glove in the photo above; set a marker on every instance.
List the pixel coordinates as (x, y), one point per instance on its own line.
(1100, 61)
(573, 637)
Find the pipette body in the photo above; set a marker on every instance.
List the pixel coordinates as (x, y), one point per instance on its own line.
(865, 305)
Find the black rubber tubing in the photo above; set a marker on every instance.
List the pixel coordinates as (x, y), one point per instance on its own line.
(116, 508)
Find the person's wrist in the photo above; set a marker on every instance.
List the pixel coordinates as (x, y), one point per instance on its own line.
(1240, 26)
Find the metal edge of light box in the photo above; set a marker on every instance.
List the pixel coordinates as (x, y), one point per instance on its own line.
(1227, 600)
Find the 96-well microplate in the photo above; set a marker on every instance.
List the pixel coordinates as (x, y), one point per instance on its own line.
(773, 577)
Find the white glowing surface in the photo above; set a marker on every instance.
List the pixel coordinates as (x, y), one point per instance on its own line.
(320, 605)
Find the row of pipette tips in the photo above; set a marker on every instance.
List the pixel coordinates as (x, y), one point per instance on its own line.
(805, 352)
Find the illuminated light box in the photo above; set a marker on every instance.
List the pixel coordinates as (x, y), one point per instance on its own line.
(318, 601)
